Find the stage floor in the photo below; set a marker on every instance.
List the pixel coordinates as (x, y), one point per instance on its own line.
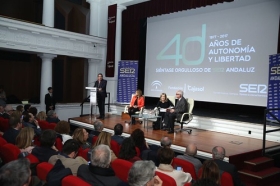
(204, 140)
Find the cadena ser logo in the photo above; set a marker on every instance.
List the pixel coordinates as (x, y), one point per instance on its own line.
(156, 85)
(181, 51)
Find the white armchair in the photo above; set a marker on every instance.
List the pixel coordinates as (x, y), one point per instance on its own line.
(184, 119)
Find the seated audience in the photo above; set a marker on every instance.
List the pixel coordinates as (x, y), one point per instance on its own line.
(20, 108)
(190, 153)
(2, 110)
(104, 138)
(143, 173)
(8, 111)
(16, 173)
(47, 148)
(136, 103)
(98, 127)
(99, 172)
(139, 139)
(163, 103)
(63, 128)
(218, 154)
(41, 116)
(52, 117)
(81, 136)
(24, 140)
(118, 130)
(26, 109)
(30, 121)
(15, 126)
(166, 156)
(128, 151)
(68, 156)
(210, 170)
(34, 111)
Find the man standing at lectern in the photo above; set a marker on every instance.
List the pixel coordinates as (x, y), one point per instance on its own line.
(101, 84)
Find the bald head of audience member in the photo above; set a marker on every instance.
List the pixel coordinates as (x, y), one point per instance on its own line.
(165, 142)
(218, 152)
(191, 150)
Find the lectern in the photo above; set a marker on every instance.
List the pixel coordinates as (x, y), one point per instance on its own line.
(93, 98)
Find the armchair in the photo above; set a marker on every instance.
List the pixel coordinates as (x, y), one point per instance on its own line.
(186, 117)
(138, 112)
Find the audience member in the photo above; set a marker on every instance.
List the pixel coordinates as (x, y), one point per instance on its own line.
(30, 121)
(8, 111)
(34, 111)
(68, 156)
(143, 173)
(81, 136)
(98, 127)
(210, 170)
(165, 142)
(218, 154)
(2, 110)
(52, 117)
(15, 126)
(99, 171)
(205, 182)
(136, 103)
(19, 108)
(41, 116)
(118, 130)
(139, 139)
(26, 109)
(49, 100)
(166, 156)
(63, 128)
(47, 148)
(128, 151)
(16, 173)
(105, 139)
(190, 153)
(24, 140)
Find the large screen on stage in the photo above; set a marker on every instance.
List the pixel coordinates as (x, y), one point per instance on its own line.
(216, 54)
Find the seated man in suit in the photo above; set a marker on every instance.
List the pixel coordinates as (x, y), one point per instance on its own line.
(15, 125)
(52, 117)
(8, 111)
(30, 121)
(191, 151)
(180, 108)
(218, 154)
(118, 130)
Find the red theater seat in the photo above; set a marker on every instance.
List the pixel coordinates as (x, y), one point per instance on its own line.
(186, 166)
(121, 168)
(166, 180)
(9, 152)
(43, 169)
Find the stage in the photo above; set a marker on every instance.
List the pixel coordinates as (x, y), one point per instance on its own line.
(236, 146)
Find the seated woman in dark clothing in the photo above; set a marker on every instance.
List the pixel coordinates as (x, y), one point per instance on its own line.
(163, 103)
(128, 151)
(47, 148)
(139, 139)
(81, 136)
(136, 103)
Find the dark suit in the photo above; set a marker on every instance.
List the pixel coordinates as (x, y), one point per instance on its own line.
(10, 135)
(118, 139)
(101, 95)
(180, 108)
(49, 101)
(231, 169)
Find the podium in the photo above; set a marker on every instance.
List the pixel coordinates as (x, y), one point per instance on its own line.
(93, 100)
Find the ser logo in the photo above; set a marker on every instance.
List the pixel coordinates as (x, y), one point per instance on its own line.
(127, 70)
(253, 88)
(156, 84)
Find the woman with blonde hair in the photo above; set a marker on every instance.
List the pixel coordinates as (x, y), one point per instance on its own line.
(105, 139)
(63, 128)
(81, 136)
(24, 139)
(42, 116)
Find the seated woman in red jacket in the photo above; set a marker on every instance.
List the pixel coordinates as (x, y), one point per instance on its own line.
(136, 103)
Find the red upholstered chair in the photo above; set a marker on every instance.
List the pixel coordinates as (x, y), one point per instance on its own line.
(58, 143)
(9, 152)
(166, 180)
(37, 141)
(84, 154)
(188, 184)
(4, 124)
(138, 151)
(73, 181)
(44, 125)
(51, 126)
(43, 169)
(32, 158)
(121, 168)
(186, 166)
(2, 141)
(115, 147)
(226, 179)
(94, 139)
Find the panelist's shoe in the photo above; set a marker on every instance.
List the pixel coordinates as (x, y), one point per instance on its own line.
(164, 129)
(170, 132)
